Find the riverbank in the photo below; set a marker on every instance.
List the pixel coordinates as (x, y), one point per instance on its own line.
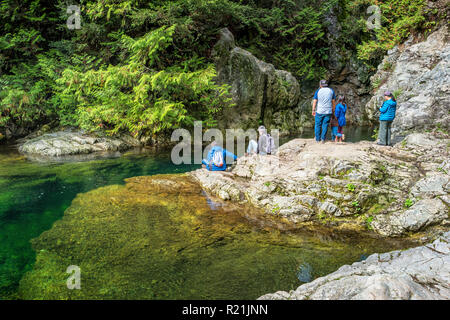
(393, 191)
(305, 250)
(401, 191)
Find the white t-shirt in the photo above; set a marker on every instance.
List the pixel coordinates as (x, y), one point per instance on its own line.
(324, 96)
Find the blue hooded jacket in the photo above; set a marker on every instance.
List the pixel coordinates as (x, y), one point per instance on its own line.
(339, 112)
(387, 110)
(208, 162)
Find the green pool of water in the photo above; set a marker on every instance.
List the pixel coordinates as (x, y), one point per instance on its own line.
(160, 237)
(186, 247)
(34, 195)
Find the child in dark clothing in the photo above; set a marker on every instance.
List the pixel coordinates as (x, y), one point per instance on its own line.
(334, 128)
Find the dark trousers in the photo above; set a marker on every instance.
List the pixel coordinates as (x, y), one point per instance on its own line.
(384, 133)
(321, 126)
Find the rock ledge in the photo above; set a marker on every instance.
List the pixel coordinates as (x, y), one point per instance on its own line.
(421, 273)
(393, 191)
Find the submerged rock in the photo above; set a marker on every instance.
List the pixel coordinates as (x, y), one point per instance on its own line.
(358, 185)
(304, 273)
(421, 273)
(67, 143)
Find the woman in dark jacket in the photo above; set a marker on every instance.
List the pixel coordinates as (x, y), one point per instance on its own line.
(387, 115)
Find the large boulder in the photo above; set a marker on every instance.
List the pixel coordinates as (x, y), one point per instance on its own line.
(421, 273)
(263, 94)
(257, 88)
(68, 143)
(419, 76)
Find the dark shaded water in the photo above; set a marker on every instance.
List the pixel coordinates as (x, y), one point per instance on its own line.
(352, 134)
(34, 195)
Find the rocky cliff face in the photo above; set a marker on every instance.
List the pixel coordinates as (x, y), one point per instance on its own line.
(262, 94)
(419, 76)
(421, 273)
(417, 72)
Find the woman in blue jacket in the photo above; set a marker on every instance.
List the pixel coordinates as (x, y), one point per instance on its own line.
(387, 115)
(216, 159)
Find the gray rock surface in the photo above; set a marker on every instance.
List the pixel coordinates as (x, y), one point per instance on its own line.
(421, 273)
(275, 97)
(65, 143)
(257, 88)
(361, 185)
(422, 214)
(419, 75)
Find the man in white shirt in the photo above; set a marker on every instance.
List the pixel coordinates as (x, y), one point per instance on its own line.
(325, 101)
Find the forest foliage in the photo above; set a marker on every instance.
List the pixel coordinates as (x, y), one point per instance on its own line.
(144, 67)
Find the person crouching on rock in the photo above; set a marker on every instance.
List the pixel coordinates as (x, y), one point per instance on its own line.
(265, 144)
(216, 159)
(339, 113)
(387, 115)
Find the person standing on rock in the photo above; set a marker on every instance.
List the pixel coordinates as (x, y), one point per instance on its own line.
(387, 115)
(334, 123)
(325, 102)
(339, 113)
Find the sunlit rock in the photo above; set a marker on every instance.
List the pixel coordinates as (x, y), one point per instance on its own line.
(355, 184)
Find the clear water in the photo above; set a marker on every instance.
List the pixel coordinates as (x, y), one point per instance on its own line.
(159, 237)
(34, 195)
(255, 257)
